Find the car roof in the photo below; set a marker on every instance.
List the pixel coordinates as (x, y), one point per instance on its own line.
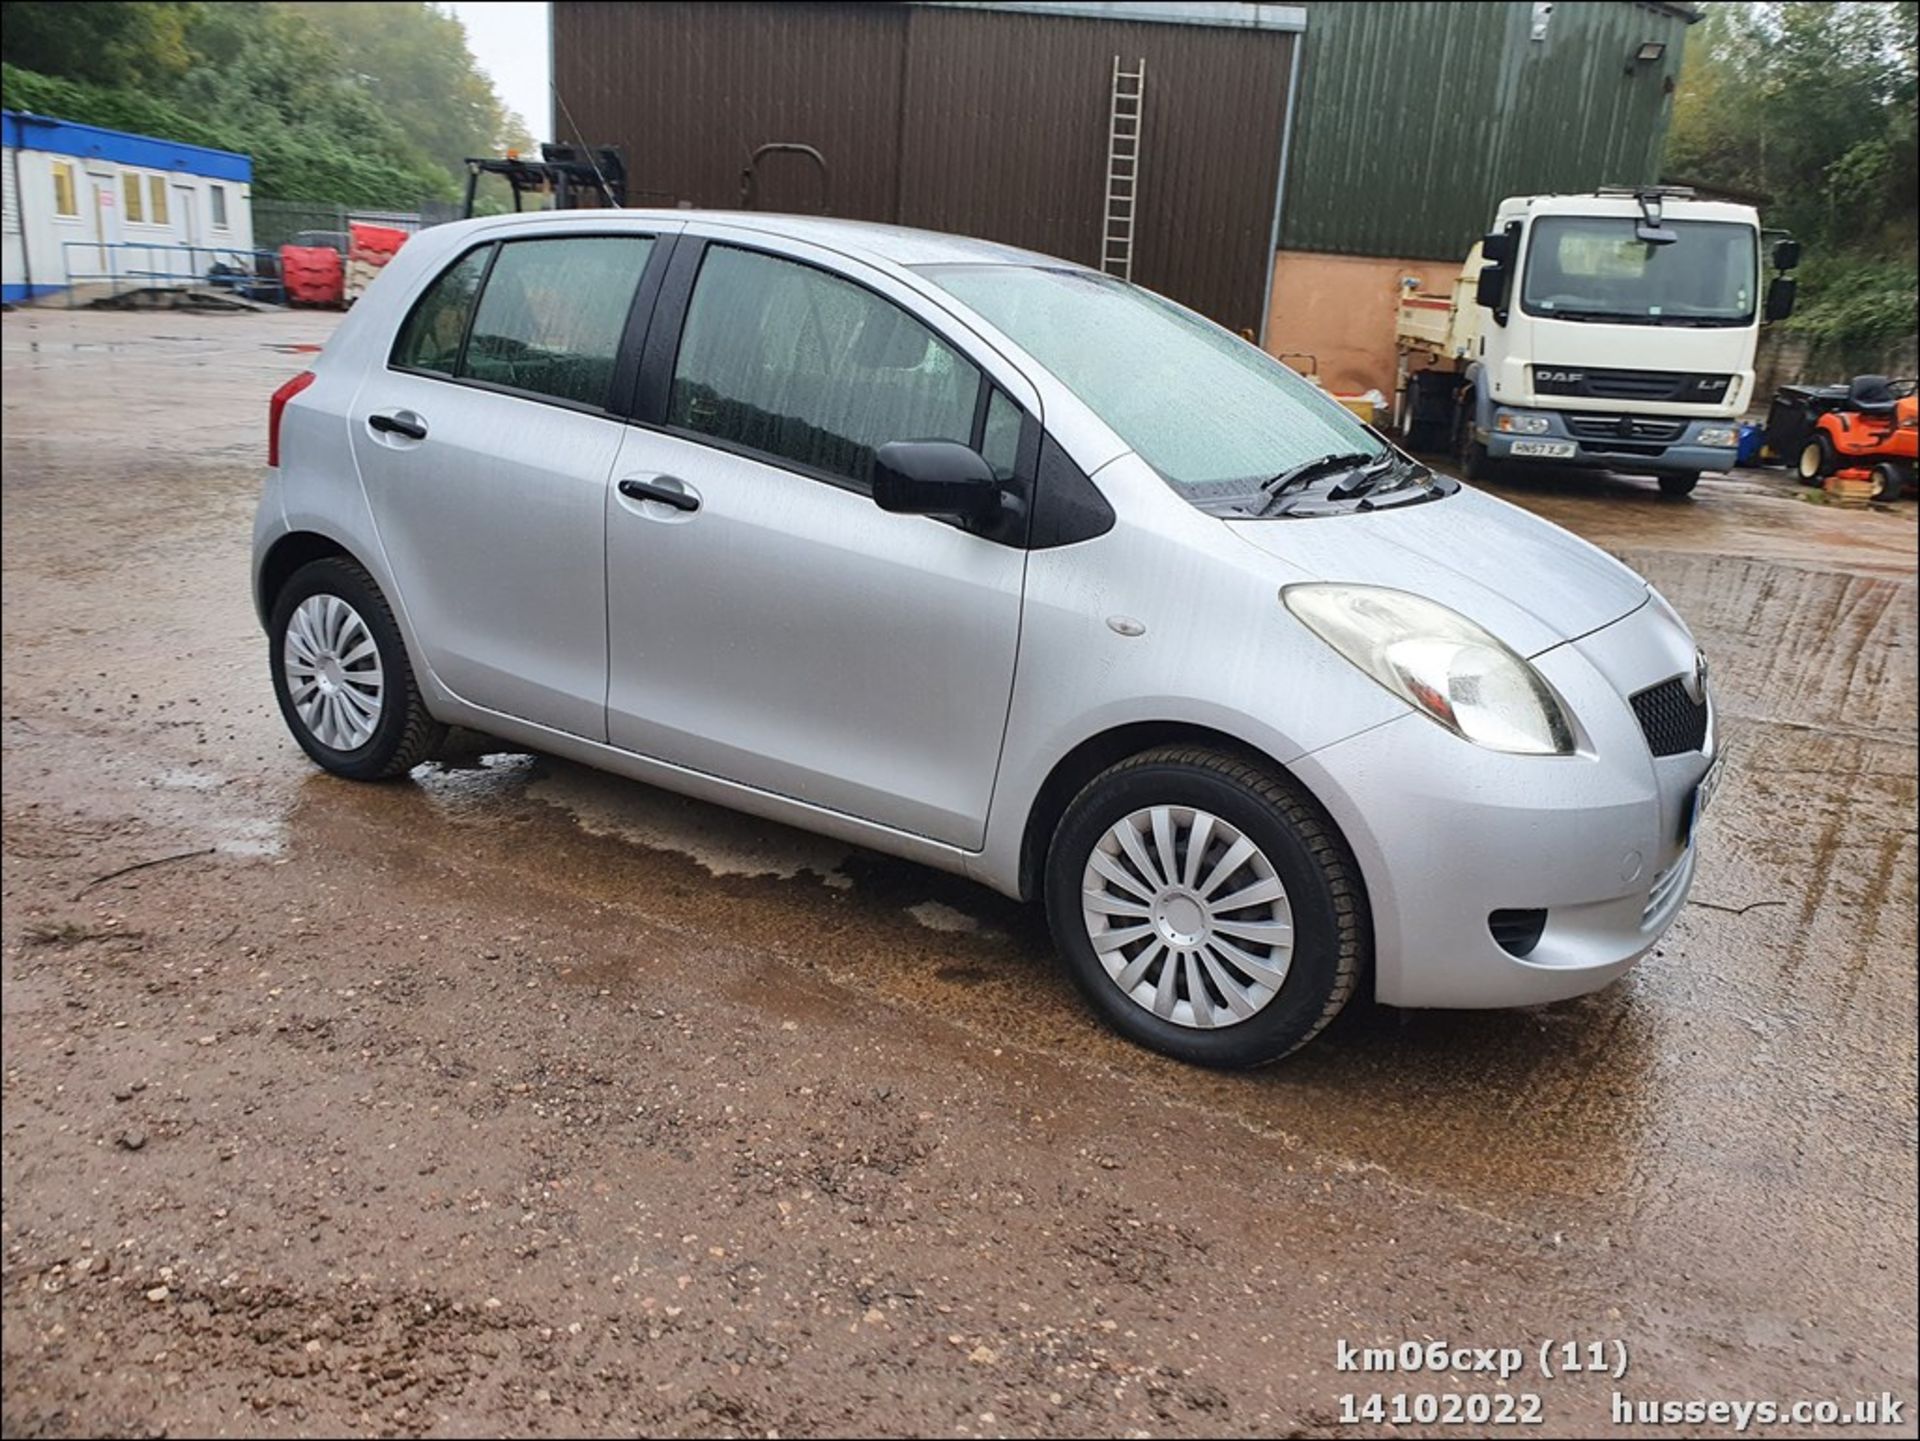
(900, 244)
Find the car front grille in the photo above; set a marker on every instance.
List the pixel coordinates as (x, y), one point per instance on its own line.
(1687, 386)
(1674, 721)
(1625, 427)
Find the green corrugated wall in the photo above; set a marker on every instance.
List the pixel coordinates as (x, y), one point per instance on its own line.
(1417, 116)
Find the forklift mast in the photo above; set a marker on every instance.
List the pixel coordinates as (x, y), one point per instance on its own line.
(570, 173)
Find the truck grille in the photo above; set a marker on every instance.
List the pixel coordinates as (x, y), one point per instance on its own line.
(1673, 721)
(1688, 387)
(1625, 427)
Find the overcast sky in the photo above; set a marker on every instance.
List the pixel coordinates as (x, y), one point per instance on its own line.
(509, 39)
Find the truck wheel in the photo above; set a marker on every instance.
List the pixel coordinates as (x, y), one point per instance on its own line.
(1681, 485)
(1475, 463)
(1816, 459)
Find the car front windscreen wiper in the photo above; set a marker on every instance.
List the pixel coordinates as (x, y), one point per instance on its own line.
(1398, 471)
(1296, 476)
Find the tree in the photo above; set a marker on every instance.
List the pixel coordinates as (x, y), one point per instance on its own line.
(112, 42)
(1813, 106)
(364, 104)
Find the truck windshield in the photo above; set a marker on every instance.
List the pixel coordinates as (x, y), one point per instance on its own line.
(1213, 414)
(1590, 267)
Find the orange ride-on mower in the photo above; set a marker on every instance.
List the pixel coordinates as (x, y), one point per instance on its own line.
(1873, 431)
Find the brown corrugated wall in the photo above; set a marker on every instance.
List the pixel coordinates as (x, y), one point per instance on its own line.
(979, 122)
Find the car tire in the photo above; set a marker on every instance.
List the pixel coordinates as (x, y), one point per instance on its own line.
(1815, 461)
(341, 675)
(1679, 486)
(1309, 975)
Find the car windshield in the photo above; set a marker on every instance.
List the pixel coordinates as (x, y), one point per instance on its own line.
(1210, 412)
(1592, 267)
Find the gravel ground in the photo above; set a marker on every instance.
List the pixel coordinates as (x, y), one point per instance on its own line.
(516, 1098)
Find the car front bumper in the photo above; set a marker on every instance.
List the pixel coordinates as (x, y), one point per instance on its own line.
(1447, 833)
(1562, 444)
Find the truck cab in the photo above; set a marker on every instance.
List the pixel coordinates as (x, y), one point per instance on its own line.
(1613, 330)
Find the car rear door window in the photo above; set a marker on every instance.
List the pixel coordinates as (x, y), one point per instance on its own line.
(551, 316)
(788, 360)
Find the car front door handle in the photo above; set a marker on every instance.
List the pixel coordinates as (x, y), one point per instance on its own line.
(666, 495)
(396, 425)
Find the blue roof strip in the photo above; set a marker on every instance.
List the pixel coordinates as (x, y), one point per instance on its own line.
(24, 131)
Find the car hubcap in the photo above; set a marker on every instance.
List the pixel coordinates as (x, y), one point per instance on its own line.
(1188, 916)
(333, 670)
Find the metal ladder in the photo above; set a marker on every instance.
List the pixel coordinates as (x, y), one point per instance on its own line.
(1123, 168)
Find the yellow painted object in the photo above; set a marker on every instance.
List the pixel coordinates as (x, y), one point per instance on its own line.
(1364, 406)
(1851, 488)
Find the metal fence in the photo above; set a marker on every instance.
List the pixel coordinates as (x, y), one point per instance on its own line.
(277, 222)
(134, 265)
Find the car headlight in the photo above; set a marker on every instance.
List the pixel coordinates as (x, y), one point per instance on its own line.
(1520, 424)
(1439, 662)
(1718, 435)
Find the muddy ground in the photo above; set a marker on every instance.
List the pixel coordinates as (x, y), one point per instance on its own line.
(521, 1098)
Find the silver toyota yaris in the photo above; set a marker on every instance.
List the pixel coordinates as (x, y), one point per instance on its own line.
(999, 564)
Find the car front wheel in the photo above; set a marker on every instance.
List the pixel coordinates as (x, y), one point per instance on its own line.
(1207, 907)
(341, 675)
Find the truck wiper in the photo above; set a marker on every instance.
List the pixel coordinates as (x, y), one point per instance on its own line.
(1632, 317)
(1297, 476)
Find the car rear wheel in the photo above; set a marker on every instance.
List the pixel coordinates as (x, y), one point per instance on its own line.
(1206, 907)
(1816, 459)
(341, 675)
(1679, 485)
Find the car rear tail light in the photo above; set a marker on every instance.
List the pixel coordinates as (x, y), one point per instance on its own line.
(278, 406)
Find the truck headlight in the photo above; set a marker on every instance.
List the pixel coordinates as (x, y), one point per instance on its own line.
(1439, 662)
(1718, 435)
(1520, 424)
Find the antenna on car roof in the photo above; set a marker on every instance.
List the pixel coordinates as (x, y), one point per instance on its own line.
(585, 149)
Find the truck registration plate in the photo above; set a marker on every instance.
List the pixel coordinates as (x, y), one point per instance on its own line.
(1544, 449)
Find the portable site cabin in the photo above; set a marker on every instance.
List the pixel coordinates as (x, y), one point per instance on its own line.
(85, 205)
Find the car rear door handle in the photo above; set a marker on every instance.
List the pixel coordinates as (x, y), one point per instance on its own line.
(395, 425)
(666, 495)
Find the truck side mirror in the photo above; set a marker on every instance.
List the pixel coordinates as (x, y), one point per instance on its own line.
(1780, 293)
(1496, 247)
(1491, 291)
(1786, 254)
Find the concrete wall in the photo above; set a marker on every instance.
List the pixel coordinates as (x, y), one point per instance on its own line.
(1341, 309)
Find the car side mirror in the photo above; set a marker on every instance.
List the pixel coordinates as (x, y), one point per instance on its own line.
(1780, 293)
(1786, 254)
(1491, 291)
(1496, 247)
(934, 477)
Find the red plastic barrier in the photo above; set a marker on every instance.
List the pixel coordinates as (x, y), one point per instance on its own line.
(313, 274)
(375, 244)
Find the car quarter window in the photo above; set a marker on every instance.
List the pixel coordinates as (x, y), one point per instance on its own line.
(548, 321)
(791, 361)
(430, 338)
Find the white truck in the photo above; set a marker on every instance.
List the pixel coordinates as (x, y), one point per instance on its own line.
(1614, 330)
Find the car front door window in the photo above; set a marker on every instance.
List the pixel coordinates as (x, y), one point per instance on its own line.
(784, 359)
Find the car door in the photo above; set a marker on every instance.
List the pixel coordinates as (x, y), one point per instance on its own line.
(485, 444)
(769, 623)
